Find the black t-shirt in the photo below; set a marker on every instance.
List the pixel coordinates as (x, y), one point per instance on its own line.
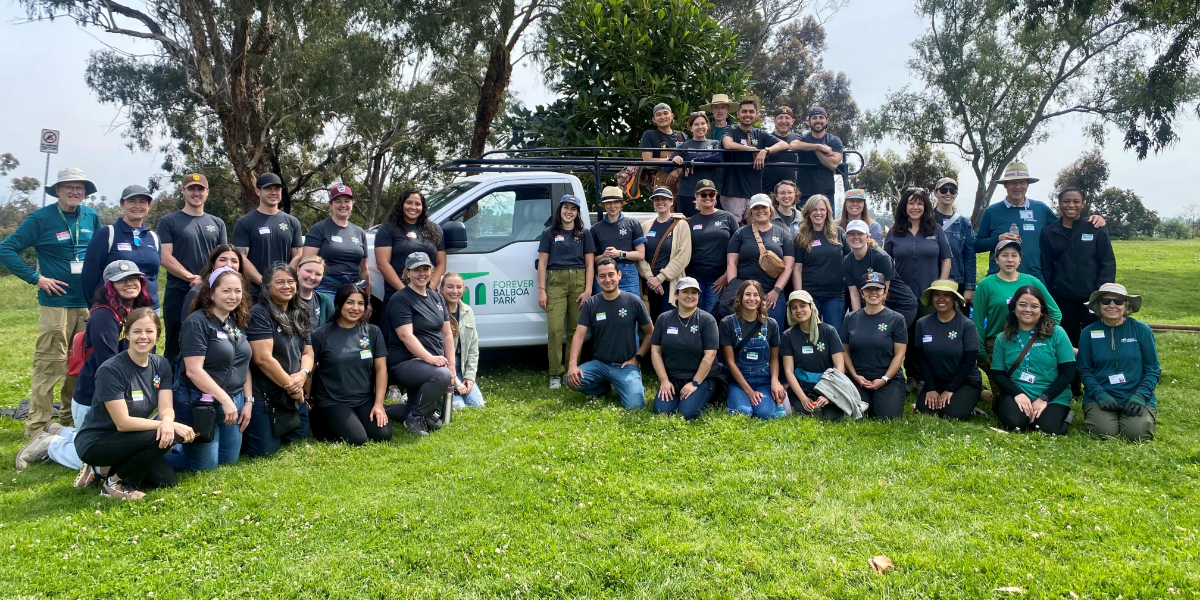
(807, 356)
(268, 238)
(780, 166)
(900, 298)
(683, 341)
(614, 324)
(345, 369)
(224, 346)
(425, 313)
(777, 240)
(871, 339)
(816, 179)
(622, 235)
(343, 248)
(822, 266)
(729, 335)
(287, 349)
(564, 250)
(694, 150)
(405, 241)
(743, 182)
(657, 237)
(192, 239)
(655, 139)
(945, 343)
(120, 377)
(710, 241)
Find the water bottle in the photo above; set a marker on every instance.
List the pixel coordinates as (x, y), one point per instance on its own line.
(206, 398)
(1015, 230)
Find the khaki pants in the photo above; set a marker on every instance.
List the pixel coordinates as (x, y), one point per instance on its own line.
(1104, 424)
(56, 328)
(562, 289)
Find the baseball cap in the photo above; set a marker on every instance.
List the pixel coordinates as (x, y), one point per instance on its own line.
(135, 190)
(944, 181)
(661, 106)
(267, 179)
(759, 200)
(195, 179)
(705, 184)
(339, 189)
(873, 279)
(859, 226)
(858, 193)
(118, 270)
(1006, 243)
(571, 199)
(784, 110)
(687, 283)
(817, 110)
(612, 193)
(800, 296)
(417, 259)
(661, 191)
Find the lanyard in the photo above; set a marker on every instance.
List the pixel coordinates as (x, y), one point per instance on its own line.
(74, 234)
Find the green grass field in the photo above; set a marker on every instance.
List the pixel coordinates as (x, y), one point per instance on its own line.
(544, 495)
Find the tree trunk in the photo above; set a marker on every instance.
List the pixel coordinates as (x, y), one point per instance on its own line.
(495, 82)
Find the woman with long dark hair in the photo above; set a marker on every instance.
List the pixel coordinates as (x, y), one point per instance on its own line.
(408, 229)
(281, 343)
(566, 253)
(1033, 364)
(917, 244)
(224, 255)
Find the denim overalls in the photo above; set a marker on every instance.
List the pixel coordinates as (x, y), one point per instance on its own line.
(754, 362)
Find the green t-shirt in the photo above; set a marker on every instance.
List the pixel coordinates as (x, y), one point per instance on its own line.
(1039, 368)
(991, 303)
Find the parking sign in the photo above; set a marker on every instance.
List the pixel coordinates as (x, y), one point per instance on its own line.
(50, 141)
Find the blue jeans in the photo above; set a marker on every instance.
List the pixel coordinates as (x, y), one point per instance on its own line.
(62, 446)
(474, 398)
(832, 310)
(630, 280)
(599, 377)
(227, 439)
(260, 438)
(330, 284)
(708, 296)
(739, 403)
(779, 313)
(689, 407)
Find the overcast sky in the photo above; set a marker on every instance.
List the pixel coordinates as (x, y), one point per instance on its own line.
(869, 40)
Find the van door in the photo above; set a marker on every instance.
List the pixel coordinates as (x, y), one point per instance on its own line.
(499, 264)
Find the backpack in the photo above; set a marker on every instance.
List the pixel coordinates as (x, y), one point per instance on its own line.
(80, 351)
(112, 232)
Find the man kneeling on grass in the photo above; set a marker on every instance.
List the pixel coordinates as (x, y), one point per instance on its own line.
(614, 316)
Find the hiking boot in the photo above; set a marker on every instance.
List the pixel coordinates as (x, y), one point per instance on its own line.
(555, 382)
(416, 426)
(434, 422)
(35, 451)
(55, 428)
(86, 477)
(118, 490)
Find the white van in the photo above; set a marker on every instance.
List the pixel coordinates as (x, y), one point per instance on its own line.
(492, 225)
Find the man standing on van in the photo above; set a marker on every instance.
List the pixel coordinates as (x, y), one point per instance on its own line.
(822, 152)
(614, 317)
(265, 235)
(756, 144)
(60, 234)
(187, 236)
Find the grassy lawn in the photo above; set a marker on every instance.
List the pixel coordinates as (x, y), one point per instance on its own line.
(545, 495)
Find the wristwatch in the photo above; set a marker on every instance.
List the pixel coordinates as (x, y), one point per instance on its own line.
(622, 255)
(249, 399)
(778, 290)
(638, 357)
(307, 373)
(695, 383)
(885, 378)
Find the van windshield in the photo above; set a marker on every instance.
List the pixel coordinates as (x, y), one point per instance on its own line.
(447, 195)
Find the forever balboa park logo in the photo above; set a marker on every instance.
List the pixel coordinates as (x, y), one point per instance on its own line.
(503, 291)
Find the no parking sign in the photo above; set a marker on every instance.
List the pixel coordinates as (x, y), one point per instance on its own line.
(50, 141)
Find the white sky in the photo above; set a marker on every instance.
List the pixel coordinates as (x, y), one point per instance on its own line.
(868, 40)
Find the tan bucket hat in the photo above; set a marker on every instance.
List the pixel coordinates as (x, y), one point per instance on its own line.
(72, 175)
(717, 100)
(1116, 289)
(1016, 171)
(942, 285)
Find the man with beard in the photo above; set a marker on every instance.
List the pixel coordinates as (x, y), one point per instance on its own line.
(820, 155)
(754, 145)
(782, 166)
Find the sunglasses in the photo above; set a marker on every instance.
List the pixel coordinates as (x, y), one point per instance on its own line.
(948, 190)
(1117, 301)
(706, 195)
(137, 237)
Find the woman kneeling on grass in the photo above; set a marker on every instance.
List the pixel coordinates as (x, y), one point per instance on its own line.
(350, 378)
(1118, 362)
(947, 345)
(876, 341)
(1033, 364)
(750, 346)
(683, 349)
(280, 340)
(118, 431)
(809, 348)
(466, 343)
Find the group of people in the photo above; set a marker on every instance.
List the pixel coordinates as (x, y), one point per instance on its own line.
(770, 303)
(267, 338)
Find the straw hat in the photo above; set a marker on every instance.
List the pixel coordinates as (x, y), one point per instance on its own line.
(1016, 171)
(718, 100)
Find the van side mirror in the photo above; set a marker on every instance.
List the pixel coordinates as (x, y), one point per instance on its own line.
(455, 234)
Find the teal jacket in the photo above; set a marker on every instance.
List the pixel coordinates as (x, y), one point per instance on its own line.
(58, 241)
(1108, 355)
(999, 217)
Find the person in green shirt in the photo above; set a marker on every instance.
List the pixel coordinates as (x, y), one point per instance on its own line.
(993, 297)
(1118, 362)
(1033, 364)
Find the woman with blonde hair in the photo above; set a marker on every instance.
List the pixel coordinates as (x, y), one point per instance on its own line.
(310, 272)
(820, 248)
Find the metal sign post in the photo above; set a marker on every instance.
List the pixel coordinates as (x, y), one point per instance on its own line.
(50, 139)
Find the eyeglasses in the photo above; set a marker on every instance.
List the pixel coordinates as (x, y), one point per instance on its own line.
(1117, 301)
(1026, 306)
(72, 188)
(948, 190)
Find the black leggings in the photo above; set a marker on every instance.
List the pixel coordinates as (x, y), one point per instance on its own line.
(1052, 421)
(350, 424)
(133, 456)
(886, 402)
(429, 383)
(961, 405)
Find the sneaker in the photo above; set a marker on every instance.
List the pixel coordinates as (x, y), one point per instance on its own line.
(55, 428)
(986, 396)
(416, 426)
(394, 394)
(434, 421)
(555, 382)
(35, 451)
(118, 490)
(86, 477)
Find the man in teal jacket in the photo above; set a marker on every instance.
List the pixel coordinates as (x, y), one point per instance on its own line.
(60, 234)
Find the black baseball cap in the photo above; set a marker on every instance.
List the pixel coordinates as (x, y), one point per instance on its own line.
(267, 179)
(873, 279)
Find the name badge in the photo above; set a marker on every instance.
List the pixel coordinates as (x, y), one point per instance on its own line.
(1087, 237)
(76, 267)
(746, 142)
(559, 238)
(337, 239)
(752, 356)
(931, 237)
(816, 243)
(1097, 335)
(697, 226)
(221, 335)
(1027, 215)
(672, 331)
(1027, 377)
(601, 316)
(806, 350)
(652, 233)
(137, 396)
(264, 231)
(926, 339)
(124, 247)
(364, 354)
(1028, 227)
(63, 236)
(412, 235)
(1116, 379)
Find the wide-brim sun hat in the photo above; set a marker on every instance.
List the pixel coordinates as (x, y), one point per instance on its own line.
(72, 175)
(942, 285)
(1016, 171)
(1133, 302)
(718, 100)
